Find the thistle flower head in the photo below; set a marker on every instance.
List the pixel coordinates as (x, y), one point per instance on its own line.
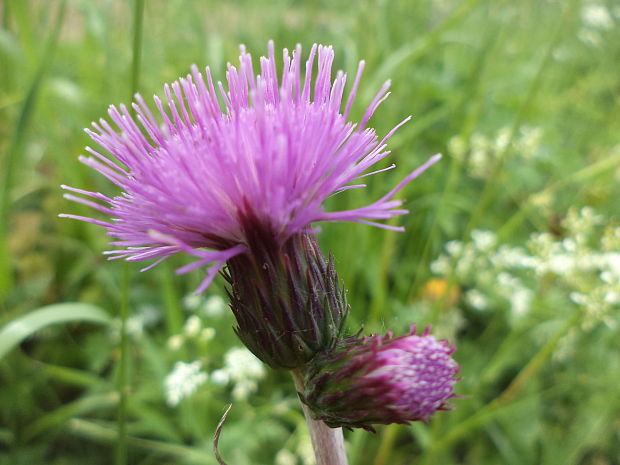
(261, 152)
(381, 380)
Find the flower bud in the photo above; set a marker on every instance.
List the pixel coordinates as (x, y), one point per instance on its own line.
(381, 380)
(286, 299)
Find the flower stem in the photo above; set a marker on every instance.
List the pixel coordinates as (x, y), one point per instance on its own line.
(123, 371)
(328, 443)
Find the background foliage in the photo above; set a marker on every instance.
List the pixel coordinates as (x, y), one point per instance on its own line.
(499, 253)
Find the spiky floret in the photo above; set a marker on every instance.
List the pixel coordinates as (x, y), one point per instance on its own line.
(381, 380)
(276, 152)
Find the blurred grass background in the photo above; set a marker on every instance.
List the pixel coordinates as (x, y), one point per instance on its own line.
(521, 97)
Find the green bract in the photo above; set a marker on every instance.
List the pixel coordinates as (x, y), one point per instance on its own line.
(286, 299)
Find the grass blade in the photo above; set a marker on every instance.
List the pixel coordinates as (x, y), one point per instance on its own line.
(123, 378)
(15, 148)
(21, 328)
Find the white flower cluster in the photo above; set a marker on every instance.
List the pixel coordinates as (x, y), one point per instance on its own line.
(485, 267)
(480, 151)
(145, 317)
(212, 306)
(192, 331)
(183, 381)
(595, 18)
(242, 369)
(583, 264)
(596, 15)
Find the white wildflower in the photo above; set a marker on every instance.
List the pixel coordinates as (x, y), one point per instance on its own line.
(590, 37)
(578, 298)
(441, 266)
(207, 334)
(583, 264)
(519, 296)
(214, 306)
(528, 143)
(611, 239)
(542, 200)
(562, 264)
(612, 297)
(135, 325)
(483, 240)
(569, 244)
(479, 163)
(192, 327)
(476, 299)
(146, 316)
(513, 257)
(454, 248)
(480, 143)
(582, 221)
(243, 389)
(612, 263)
(520, 301)
(607, 277)
(506, 280)
(183, 381)
(466, 261)
(242, 369)
(503, 139)
(175, 342)
(192, 302)
(220, 377)
(242, 363)
(596, 15)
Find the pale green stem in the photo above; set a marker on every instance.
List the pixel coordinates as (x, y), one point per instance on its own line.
(328, 443)
(123, 375)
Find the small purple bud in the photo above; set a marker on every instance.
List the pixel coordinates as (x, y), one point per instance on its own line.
(381, 380)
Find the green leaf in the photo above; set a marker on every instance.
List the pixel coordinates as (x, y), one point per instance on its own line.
(20, 328)
(61, 415)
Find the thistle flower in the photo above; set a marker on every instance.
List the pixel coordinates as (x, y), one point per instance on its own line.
(243, 187)
(206, 179)
(381, 380)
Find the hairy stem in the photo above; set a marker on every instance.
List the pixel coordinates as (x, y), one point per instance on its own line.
(328, 443)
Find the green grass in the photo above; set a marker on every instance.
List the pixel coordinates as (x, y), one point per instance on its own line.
(539, 388)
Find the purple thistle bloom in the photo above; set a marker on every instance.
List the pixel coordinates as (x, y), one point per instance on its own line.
(381, 380)
(205, 177)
